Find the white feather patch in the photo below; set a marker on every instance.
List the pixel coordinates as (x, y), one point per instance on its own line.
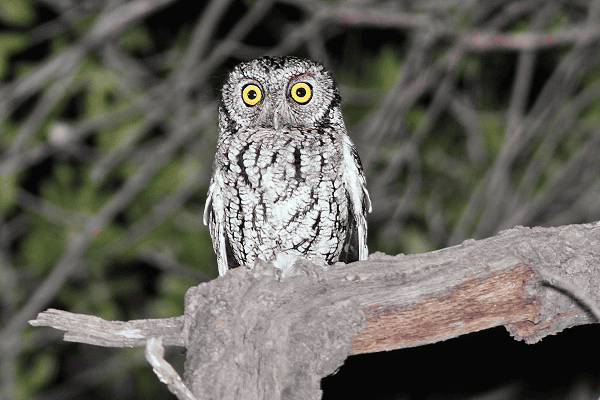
(214, 216)
(356, 187)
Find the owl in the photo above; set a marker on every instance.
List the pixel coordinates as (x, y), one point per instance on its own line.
(287, 181)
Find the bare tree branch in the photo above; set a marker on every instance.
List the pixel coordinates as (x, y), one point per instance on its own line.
(155, 355)
(97, 331)
(486, 41)
(275, 336)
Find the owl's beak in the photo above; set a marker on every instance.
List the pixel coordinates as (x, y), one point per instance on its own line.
(282, 116)
(278, 117)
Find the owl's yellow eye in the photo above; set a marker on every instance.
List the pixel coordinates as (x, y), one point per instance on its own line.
(301, 92)
(251, 94)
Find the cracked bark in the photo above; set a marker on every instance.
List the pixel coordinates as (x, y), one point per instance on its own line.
(252, 335)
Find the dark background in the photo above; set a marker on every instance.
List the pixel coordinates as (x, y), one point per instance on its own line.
(469, 117)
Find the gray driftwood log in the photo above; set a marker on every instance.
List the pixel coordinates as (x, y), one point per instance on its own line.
(252, 335)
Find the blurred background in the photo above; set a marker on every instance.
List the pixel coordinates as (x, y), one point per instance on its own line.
(470, 117)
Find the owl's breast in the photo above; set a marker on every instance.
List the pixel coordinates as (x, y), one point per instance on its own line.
(277, 162)
(284, 190)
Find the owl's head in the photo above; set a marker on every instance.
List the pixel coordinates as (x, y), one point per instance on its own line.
(275, 92)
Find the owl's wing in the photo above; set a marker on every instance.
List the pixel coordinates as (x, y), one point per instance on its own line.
(214, 217)
(359, 201)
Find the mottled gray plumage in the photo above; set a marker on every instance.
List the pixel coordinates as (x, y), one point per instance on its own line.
(287, 180)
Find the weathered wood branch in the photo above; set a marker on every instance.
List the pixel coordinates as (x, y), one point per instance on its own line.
(251, 335)
(97, 331)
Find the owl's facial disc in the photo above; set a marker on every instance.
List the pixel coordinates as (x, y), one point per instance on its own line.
(275, 93)
(282, 109)
(282, 115)
(293, 107)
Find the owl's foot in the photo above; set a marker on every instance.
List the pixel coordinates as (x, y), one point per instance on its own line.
(293, 263)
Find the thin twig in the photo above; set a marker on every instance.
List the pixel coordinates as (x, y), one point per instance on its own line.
(203, 32)
(564, 284)
(523, 77)
(155, 353)
(562, 183)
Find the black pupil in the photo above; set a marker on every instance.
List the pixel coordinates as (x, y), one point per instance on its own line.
(301, 92)
(252, 94)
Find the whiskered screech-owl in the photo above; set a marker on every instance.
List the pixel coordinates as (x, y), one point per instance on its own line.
(287, 181)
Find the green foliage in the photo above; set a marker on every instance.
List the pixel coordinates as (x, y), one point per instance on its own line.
(7, 191)
(520, 26)
(9, 43)
(169, 302)
(37, 373)
(414, 240)
(42, 245)
(559, 19)
(492, 131)
(84, 24)
(414, 117)
(378, 72)
(102, 84)
(591, 114)
(136, 40)
(16, 12)
(59, 43)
